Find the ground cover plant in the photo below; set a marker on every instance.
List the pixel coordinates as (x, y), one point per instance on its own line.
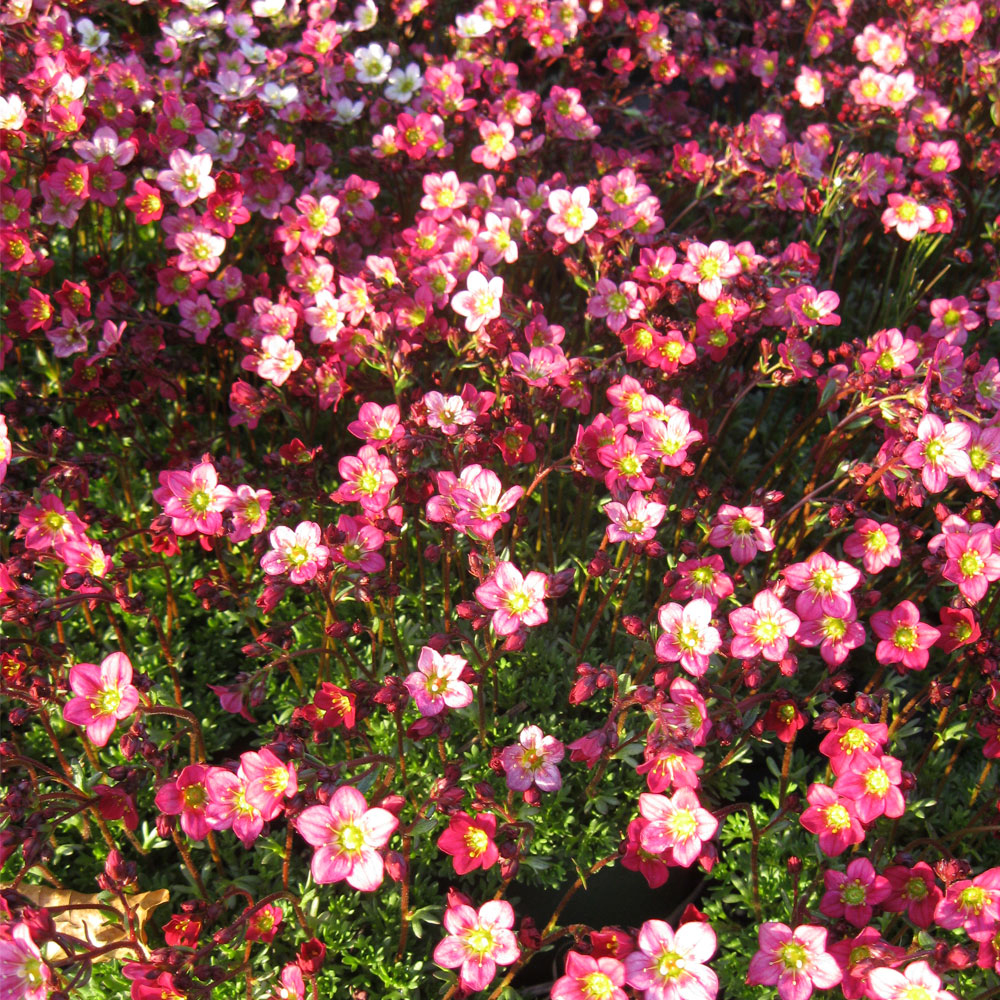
(500, 500)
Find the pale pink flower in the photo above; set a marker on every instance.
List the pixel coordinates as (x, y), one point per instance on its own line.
(24, 975)
(907, 216)
(477, 942)
(825, 586)
(189, 177)
(678, 825)
(797, 962)
(809, 87)
(915, 982)
(436, 684)
(616, 303)
(249, 509)
(532, 761)
(763, 629)
(540, 367)
(876, 545)
(367, 479)
(104, 696)
(480, 302)
(200, 250)
(670, 965)
(298, 553)
(228, 806)
(481, 507)
(571, 215)
(275, 359)
(670, 438)
(634, 521)
(688, 636)
(515, 600)
(939, 451)
(706, 266)
(972, 905)
(447, 413)
(347, 836)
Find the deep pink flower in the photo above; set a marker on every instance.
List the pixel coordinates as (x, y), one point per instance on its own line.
(670, 965)
(913, 890)
(269, 780)
(436, 685)
(904, 638)
(186, 796)
(742, 529)
(854, 746)
(104, 695)
(836, 637)
(857, 955)
(477, 942)
(832, 819)
(874, 791)
(971, 563)
(469, 841)
(797, 962)
(194, 500)
(876, 545)
(590, 978)
(853, 894)
(228, 806)
(347, 836)
(972, 905)
(825, 586)
(702, 578)
(48, 523)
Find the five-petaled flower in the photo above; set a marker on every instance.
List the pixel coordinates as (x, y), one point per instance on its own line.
(104, 696)
(477, 942)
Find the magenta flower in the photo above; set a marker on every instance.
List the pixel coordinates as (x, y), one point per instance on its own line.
(854, 746)
(436, 683)
(742, 529)
(915, 981)
(939, 452)
(913, 890)
(670, 965)
(678, 825)
(481, 506)
(515, 600)
(532, 760)
(49, 524)
(269, 780)
(104, 695)
(763, 629)
(23, 972)
(904, 638)
(589, 978)
(797, 962)
(249, 509)
(297, 553)
(874, 790)
(347, 836)
(186, 796)
(477, 942)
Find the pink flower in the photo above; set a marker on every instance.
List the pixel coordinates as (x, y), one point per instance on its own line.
(515, 600)
(905, 639)
(187, 797)
(972, 563)
(763, 629)
(876, 545)
(916, 980)
(913, 890)
(477, 942)
(874, 791)
(706, 266)
(194, 500)
(104, 695)
(972, 905)
(480, 302)
(49, 523)
(832, 819)
(269, 780)
(377, 425)
(359, 546)
(447, 413)
(679, 825)
(741, 528)
(939, 452)
(797, 962)
(482, 508)
(634, 521)
(24, 975)
(297, 553)
(854, 894)
(670, 965)
(907, 216)
(469, 841)
(854, 746)
(532, 761)
(825, 586)
(835, 636)
(436, 684)
(189, 177)
(367, 479)
(347, 836)
(249, 509)
(228, 806)
(702, 578)
(589, 978)
(688, 636)
(571, 215)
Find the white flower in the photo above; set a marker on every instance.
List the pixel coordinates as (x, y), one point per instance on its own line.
(91, 38)
(372, 63)
(181, 30)
(253, 53)
(365, 16)
(268, 8)
(198, 6)
(346, 111)
(472, 25)
(404, 83)
(12, 112)
(278, 97)
(105, 143)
